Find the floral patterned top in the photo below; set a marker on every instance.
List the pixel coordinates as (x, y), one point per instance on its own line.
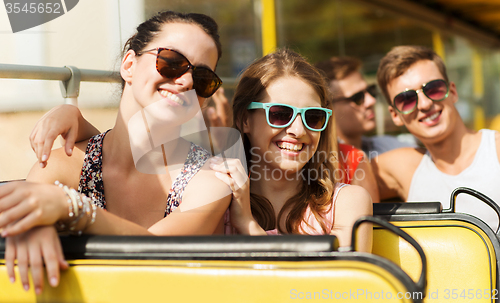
(196, 158)
(91, 176)
(91, 183)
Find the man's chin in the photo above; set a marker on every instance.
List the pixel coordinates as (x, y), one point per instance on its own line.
(369, 127)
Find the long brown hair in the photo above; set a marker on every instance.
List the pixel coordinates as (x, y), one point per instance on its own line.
(314, 193)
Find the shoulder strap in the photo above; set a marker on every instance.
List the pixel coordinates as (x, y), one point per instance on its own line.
(196, 158)
(91, 175)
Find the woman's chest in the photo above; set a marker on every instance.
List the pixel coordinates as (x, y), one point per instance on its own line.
(141, 200)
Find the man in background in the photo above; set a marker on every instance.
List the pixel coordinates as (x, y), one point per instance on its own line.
(353, 101)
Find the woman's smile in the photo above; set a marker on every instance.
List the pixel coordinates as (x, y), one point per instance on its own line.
(176, 100)
(291, 147)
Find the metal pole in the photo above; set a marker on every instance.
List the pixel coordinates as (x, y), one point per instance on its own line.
(69, 76)
(268, 26)
(15, 71)
(71, 88)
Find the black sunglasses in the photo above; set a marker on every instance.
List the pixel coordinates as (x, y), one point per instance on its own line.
(406, 102)
(359, 97)
(172, 64)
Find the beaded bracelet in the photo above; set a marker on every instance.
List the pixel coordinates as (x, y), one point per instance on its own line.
(79, 206)
(74, 207)
(70, 202)
(84, 205)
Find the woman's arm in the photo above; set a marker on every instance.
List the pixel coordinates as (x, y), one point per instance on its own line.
(352, 203)
(204, 202)
(65, 120)
(27, 204)
(43, 204)
(38, 201)
(40, 245)
(232, 173)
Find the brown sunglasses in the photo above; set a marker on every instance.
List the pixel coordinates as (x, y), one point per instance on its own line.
(172, 64)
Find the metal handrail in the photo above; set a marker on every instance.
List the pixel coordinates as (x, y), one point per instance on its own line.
(15, 71)
(69, 76)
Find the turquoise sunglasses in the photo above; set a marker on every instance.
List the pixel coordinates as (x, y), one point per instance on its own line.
(282, 115)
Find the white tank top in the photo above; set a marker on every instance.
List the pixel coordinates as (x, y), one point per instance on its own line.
(430, 184)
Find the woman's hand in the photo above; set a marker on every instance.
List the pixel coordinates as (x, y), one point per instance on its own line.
(32, 249)
(231, 172)
(65, 120)
(61, 120)
(24, 205)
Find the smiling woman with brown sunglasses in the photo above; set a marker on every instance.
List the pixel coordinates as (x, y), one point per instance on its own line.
(106, 169)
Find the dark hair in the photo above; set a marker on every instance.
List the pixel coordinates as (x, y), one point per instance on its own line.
(315, 194)
(400, 59)
(148, 30)
(336, 69)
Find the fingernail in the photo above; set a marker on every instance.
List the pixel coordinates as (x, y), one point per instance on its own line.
(4, 233)
(53, 281)
(42, 165)
(26, 287)
(70, 151)
(44, 158)
(12, 280)
(38, 290)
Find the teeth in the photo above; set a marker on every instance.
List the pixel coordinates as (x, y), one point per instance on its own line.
(290, 146)
(172, 97)
(431, 117)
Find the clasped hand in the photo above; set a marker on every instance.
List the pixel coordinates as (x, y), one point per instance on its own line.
(231, 172)
(24, 205)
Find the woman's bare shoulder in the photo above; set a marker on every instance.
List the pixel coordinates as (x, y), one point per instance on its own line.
(60, 166)
(355, 200)
(354, 196)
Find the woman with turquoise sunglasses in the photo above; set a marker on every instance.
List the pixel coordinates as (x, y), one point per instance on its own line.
(280, 108)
